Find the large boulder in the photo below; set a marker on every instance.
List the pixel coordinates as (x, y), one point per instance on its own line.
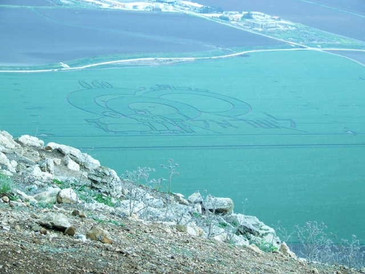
(7, 141)
(239, 240)
(47, 166)
(194, 230)
(67, 196)
(253, 229)
(180, 198)
(5, 162)
(27, 140)
(75, 154)
(49, 196)
(218, 205)
(25, 197)
(98, 234)
(105, 179)
(37, 173)
(195, 198)
(57, 221)
(284, 249)
(71, 164)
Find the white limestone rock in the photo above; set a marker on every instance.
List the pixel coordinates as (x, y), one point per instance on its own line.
(251, 225)
(80, 237)
(194, 230)
(13, 163)
(6, 172)
(284, 249)
(239, 240)
(25, 197)
(9, 165)
(72, 165)
(221, 237)
(198, 208)
(47, 166)
(180, 198)
(36, 172)
(4, 161)
(195, 198)
(57, 161)
(218, 205)
(104, 175)
(49, 196)
(67, 196)
(27, 140)
(255, 249)
(56, 221)
(7, 141)
(75, 154)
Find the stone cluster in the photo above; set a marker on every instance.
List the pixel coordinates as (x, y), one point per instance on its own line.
(39, 167)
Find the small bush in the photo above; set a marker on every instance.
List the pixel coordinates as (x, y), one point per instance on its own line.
(222, 225)
(60, 184)
(106, 200)
(267, 247)
(85, 193)
(171, 167)
(5, 184)
(317, 245)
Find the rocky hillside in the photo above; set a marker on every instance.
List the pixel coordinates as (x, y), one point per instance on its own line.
(62, 212)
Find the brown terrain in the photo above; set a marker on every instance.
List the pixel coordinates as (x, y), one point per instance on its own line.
(26, 247)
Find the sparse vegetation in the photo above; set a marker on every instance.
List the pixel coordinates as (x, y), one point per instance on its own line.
(266, 246)
(315, 244)
(104, 199)
(6, 184)
(60, 184)
(102, 221)
(171, 166)
(162, 223)
(45, 205)
(139, 176)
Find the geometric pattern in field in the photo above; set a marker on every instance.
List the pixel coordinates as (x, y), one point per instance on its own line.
(170, 110)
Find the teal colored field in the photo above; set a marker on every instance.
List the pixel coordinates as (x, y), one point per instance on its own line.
(282, 133)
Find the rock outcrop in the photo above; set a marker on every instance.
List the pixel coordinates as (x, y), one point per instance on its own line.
(59, 174)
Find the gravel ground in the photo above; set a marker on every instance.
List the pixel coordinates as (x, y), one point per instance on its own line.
(137, 247)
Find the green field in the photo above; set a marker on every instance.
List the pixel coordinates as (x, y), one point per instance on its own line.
(282, 133)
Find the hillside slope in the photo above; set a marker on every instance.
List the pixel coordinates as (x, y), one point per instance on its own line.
(62, 212)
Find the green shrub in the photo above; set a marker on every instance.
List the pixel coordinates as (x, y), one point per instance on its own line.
(106, 200)
(222, 225)
(102, 221)
(265, 246)
(5, 184)
(61, 184)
